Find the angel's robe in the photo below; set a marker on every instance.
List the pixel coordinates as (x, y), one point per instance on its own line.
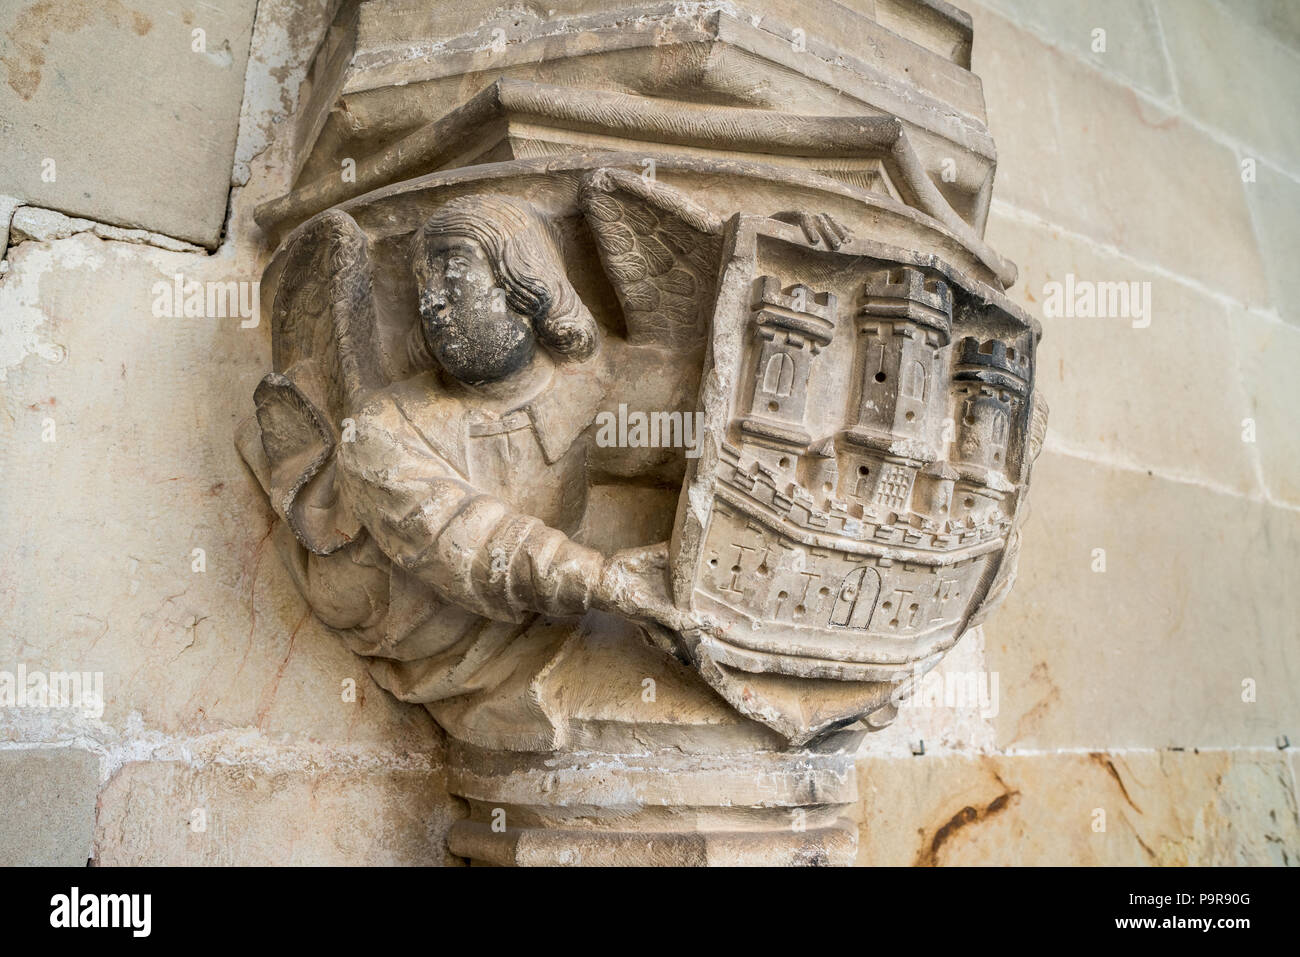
(473, 511)
(466, 577)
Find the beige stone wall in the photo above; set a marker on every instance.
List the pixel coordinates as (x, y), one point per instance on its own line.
(225, 735)
(1122, 691)
(228, 734)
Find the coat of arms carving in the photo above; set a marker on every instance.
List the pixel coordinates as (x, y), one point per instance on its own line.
(871, 429)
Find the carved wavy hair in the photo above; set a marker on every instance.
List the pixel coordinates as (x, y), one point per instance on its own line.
(525, 262)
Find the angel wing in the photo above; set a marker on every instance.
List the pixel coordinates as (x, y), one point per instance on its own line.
(325, 358)
(661, 252)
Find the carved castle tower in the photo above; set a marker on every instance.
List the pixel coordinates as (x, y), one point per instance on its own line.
(903, 326)
(990, 383)
(791, 328)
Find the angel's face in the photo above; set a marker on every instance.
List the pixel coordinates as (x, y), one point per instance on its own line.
(467, 322)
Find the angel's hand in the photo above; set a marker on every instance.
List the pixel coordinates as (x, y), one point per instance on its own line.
(634, 583)
(818, 227)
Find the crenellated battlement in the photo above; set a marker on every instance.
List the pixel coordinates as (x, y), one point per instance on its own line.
(905, 292)
(992, 360)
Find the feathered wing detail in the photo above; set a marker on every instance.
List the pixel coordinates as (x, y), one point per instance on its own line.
(325, 359)
(1037, 429)
(661, 253)
(323, 316)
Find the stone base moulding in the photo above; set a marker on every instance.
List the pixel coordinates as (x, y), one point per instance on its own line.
(659, 808)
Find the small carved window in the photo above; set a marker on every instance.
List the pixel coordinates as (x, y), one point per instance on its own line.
(857, 598)
(1000, 427)
(779, 377)
(917, 382)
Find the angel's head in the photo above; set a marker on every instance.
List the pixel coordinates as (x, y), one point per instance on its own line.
(491, 285)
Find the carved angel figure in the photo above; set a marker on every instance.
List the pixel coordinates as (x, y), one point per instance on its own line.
(468, 487)
(434, 492)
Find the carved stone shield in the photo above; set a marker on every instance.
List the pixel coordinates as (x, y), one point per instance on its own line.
(870, 422)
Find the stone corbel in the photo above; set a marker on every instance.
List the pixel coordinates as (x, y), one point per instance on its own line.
(762, 244)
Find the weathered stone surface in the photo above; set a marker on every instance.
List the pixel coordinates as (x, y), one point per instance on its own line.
(1166, 808)
(782, 808)
(954, 708)
(31, 223)
(1131, 49)
(47, 806)
(790, 280)
(1274, 199)
(1264, 350)
(252, 655)
(906, 59)
(1086, 154)
(220, 664)
(63, 90)
(224, 692)
(1152, 653)
(285, 34)
(7, 206)
(1114, 393)
(1276, 19)
(1226, 73)
(829, 60)
(164, 814)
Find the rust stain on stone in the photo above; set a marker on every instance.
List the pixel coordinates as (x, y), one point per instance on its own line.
(1143, 844)
(1109, 765)
(1030, 720)
(35, 26)
(929, 857)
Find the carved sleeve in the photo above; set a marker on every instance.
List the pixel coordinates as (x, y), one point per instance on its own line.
(470, 547)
